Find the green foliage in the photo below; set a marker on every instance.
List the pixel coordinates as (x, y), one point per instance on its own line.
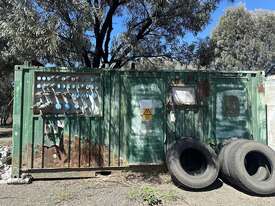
(245, 40)
(152, 196)
(204, 53)
(80, 33)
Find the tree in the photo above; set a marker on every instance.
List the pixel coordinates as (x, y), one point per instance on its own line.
(81, 32)
(204, 53)
(6, 89)
(245, 40)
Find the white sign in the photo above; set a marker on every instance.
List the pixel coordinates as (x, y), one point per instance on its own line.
(146, 103)
(184, 95)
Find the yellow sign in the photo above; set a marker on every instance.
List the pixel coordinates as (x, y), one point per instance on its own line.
(147, 114)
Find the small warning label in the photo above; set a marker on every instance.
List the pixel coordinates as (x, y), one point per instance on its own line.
(147, 114)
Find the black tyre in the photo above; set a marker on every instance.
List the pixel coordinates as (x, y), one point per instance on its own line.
(224, 156)
(247, 161)
(224, 159)
(193, 164)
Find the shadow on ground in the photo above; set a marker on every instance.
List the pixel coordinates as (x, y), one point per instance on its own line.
(5, 131)
(216, 185)
(240, 189)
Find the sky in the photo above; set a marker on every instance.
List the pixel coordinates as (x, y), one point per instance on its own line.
(219, 12)
(224, 5)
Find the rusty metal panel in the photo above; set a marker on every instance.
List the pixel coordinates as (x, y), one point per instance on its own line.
(135, 122)
(75, 143)
(38, 142)
(85, 146)
(55, 144)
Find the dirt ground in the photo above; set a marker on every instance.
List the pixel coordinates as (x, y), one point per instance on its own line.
(5, 136)
(121, 189)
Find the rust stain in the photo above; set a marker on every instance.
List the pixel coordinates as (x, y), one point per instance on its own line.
(75, 145)
(25, 157)
(56, 156)
(203, 89)
(85, 153)
(261, 88)
(37, 156)
(99, 155)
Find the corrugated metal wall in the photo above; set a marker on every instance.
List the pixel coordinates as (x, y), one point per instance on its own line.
(135, 126)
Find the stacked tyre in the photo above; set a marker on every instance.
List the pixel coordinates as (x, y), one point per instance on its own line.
(192, 164)
(249, 165)
(246, 164)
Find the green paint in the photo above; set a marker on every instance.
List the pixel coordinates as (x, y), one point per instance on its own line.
(122, 136)
(145, 136)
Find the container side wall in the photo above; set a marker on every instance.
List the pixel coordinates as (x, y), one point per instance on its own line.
(17, 122)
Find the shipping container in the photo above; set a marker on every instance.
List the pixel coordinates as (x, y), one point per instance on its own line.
(69, 122)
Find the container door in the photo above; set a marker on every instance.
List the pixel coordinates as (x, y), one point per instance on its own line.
(145, 114)
(232, 115)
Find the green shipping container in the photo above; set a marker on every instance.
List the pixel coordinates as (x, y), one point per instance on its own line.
(70, 121)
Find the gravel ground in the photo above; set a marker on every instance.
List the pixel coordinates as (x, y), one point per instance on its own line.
(5, 154)
(5, 136)
(118, 190)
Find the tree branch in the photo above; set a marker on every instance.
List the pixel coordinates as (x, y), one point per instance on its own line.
(139, 36)
(105, 34)
(107, 41)
(86, 58)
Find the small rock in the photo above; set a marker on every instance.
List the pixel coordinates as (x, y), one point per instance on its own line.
(5, 164)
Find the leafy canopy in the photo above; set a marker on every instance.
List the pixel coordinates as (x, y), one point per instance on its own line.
(245, 40)
(81, 32)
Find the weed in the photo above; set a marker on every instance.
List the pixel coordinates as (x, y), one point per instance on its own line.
(151, 195)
